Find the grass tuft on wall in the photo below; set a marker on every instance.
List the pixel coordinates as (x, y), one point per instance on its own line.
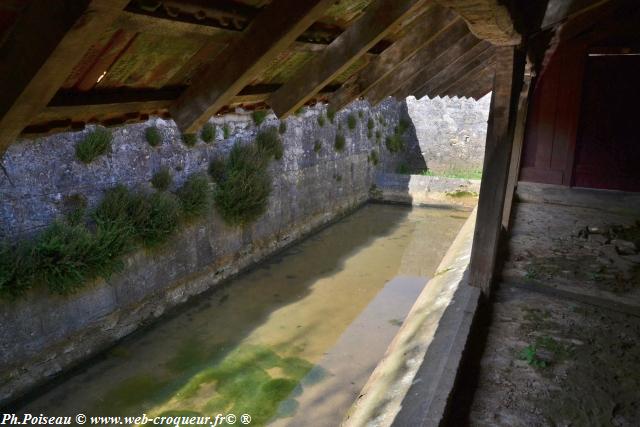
(153, 136)
(189, 139)
(259, 116)
(93, 145)
(208, 132)
(242, 193)
(162, 179)
(269, 141)
(194, 196)
(339, 143)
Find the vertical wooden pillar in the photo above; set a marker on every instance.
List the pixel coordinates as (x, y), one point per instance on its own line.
(516, 152)
(507, 85)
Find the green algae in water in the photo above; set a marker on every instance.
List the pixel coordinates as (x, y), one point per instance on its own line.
(243, 383)
(130, 393)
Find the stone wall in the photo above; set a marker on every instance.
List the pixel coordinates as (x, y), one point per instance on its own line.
(451, 132)
(41, 335)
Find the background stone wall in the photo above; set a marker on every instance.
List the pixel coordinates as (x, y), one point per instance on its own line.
(451, 132)
(43, 334)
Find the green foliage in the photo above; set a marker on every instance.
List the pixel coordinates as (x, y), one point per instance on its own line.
(317, 146)
(217, 170)
(269, 141)
(242, 194)
(530, 354)
(374, 158)
(161, 180)
(402, 127)
(258, 116)
(369, 134)
(75, 207)
(352, 121)
(394, 143)
(339, 142)
(456, 173)
(153, 136)
(189, 139)
(361, 114)
(338, 178)
(16, 269)
(370, 124)
(94, 144)
(378, 136)
(283, 127)
(461, 194)
(321, 120)
(194, 196)
(208, 132)
(226, 131)
(299, 111)
(331, 114)
(402, 169)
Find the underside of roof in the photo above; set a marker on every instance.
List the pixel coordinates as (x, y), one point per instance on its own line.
(72, 62)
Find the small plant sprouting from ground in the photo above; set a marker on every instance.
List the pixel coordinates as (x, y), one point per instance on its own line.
(352, 121)
(321, 120)
(226, 131)
(242, 194)
(270, 143)
(530, 355)
(374, 158)
(258, 116)
(331, 114)
(153, 136)
(161, 180)
(282, 128)
(217, 170)
(189, 139)
(339, 143)
(317, 146)
(208, 132)
(194, 196)
(93, 145)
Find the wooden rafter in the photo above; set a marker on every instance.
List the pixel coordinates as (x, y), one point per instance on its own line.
(45, 45)
(271, 32)
(418, 33)
(488, 19)
(452, 42)
(445, 73)
(466, 73)
(380, 18)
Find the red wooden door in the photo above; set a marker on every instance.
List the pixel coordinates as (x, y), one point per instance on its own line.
(608, 145)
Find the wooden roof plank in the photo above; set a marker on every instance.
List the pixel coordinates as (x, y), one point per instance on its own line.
(47, 42)
(471, 81)
(445, 73)
(378, 20)
(417, 34)
(448, 44)
(271, 32)
(463, 72)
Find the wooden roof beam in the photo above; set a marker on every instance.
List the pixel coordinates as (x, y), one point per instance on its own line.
(465, 72)
(417, 34)
(487, 19)
(274, 29)
(420, 88)
(380, 18)
(45, 45)
(463, 86)
(444, 48)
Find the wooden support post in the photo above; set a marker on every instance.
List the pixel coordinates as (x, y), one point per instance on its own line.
(516, 153)
(380, 18)
(270, 33)
(49, 39)
(507, 84)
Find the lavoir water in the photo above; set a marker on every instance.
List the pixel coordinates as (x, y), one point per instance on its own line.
(291, 342)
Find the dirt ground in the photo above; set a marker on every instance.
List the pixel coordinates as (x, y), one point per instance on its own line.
(563, 343)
